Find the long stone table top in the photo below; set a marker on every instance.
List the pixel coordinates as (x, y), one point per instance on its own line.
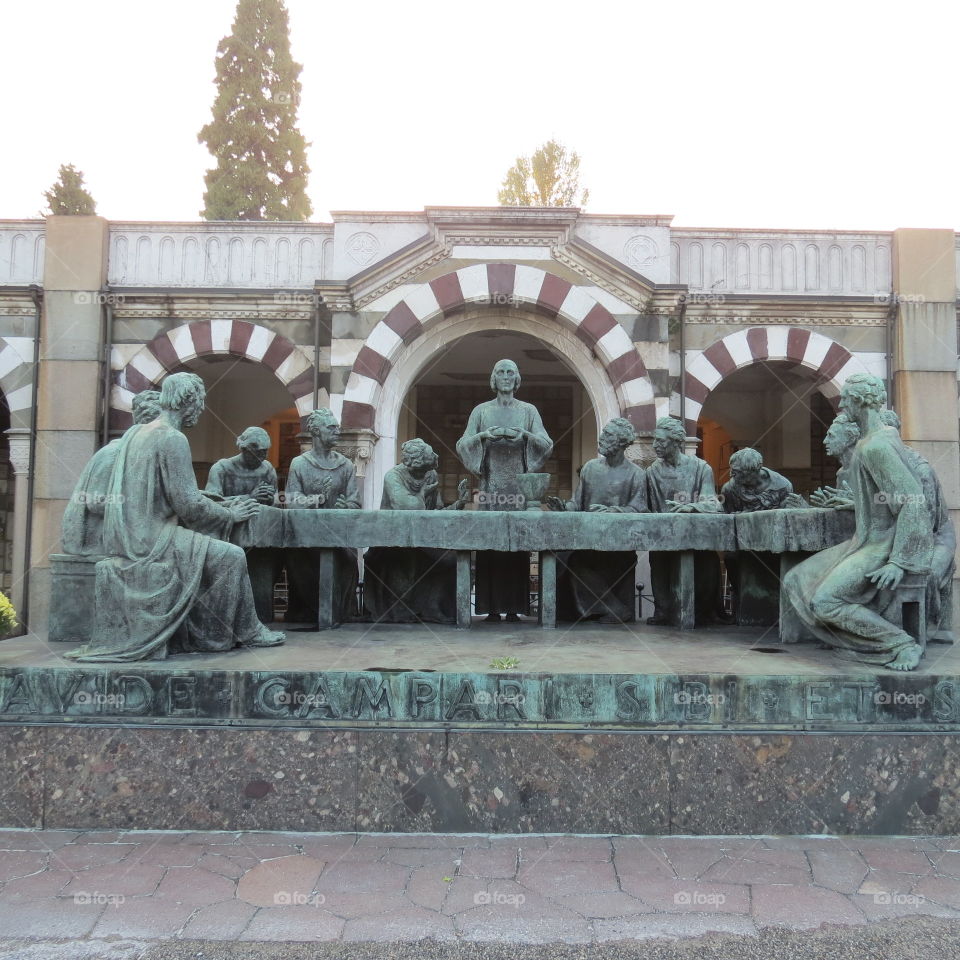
(775, 530)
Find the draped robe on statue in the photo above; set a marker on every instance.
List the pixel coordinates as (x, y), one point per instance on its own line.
(830, 591)
(82, 528)
(598, 584)
(410, 584)
(313, 484)
(231, 478)
(165, 588)
(690, 481)
(943, 561)
(503, 578)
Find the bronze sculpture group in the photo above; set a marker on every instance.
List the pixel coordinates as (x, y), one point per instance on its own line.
(170, 580)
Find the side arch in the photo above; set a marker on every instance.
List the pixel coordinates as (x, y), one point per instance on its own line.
(498, 285)
(831, 362)
(168, 351)
(16, 378)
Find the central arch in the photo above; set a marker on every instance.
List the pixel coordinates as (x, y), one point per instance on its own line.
(564, 305)
(413, 358)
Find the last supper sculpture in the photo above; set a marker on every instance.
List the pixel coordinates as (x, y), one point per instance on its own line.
(168, 579)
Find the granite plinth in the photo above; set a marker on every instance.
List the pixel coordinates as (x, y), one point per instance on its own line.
(175, 778)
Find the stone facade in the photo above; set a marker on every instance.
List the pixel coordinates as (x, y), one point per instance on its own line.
(640, 319)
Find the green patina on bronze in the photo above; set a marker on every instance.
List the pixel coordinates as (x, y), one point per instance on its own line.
(137, 694)
(852, 596)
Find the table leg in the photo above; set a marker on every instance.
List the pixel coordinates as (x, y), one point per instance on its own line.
(463, 589)
(326, 616)
(685, 595)
(548, 589)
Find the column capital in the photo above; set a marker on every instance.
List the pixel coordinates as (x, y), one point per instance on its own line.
(19, 440)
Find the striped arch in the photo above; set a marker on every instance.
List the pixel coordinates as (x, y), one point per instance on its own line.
(166, 352)
(16, 378)
(831, 362)
(498, 284)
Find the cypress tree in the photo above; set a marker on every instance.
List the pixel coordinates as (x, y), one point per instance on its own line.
(261, 170)
(68, 196)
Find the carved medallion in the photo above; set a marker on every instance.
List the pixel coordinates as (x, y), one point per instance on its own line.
(362, 248)
(641, 251)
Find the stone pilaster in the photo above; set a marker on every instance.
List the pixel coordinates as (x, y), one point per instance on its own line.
(19, 441)
(68, 404)
(924, 363)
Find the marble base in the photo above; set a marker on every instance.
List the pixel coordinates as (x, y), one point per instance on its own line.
(177, 778)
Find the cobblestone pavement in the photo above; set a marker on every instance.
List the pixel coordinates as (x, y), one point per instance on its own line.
(115, 895)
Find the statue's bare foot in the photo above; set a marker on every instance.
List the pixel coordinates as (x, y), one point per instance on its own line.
(268, 638)
(907, 659)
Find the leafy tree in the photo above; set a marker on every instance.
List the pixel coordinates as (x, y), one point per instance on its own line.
(548, 178)
(261, 171)
(68, 196)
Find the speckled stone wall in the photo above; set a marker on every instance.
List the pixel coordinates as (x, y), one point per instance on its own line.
(465, 781)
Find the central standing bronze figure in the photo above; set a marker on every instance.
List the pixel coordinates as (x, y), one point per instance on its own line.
(504, 438)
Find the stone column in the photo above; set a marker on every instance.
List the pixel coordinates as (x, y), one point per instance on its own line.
(925, 356)
(19, 440)
(68, 404)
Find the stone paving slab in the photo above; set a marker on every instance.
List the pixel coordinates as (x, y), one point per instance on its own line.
(325, 888)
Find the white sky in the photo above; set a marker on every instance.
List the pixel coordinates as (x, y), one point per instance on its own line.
(834, 115)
